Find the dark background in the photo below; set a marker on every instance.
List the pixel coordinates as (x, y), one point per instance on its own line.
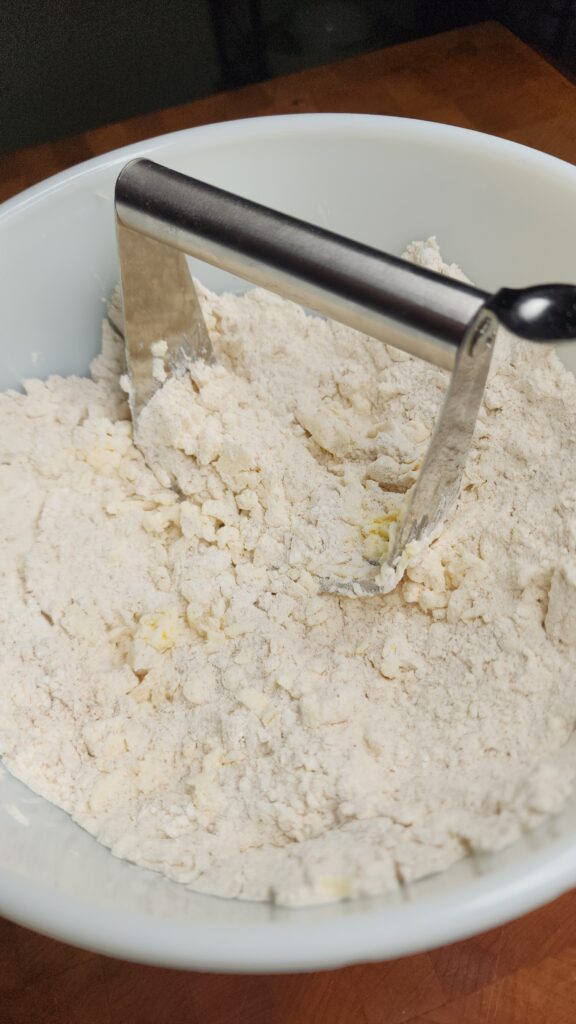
(69, 65)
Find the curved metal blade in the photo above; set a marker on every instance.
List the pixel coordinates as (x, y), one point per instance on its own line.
(160, 304)
(438, 485)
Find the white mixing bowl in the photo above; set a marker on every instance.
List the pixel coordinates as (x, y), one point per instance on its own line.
(505, 213)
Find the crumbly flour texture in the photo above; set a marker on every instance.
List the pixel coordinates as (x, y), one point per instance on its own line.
(171, 673)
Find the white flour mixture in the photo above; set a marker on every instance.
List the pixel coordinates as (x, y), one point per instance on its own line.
(170, 673)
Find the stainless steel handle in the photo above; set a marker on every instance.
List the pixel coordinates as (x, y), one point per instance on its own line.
(405, 306)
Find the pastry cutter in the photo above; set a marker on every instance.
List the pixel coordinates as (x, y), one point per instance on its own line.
(163, 215)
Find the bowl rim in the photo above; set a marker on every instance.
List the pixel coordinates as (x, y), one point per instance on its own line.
(301, 124)
(289, 944)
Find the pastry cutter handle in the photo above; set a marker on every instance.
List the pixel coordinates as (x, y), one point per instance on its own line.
(409, 307)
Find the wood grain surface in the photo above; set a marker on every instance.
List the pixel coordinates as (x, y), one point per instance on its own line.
(524, 973)
(481, 77)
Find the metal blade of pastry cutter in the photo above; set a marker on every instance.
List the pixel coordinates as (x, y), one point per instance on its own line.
(438, 483)
(159, 304)
(162, 215)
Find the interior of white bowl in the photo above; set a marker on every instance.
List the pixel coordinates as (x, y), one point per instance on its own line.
(508, 216)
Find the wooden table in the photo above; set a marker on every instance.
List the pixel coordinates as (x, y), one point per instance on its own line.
(524, 973)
